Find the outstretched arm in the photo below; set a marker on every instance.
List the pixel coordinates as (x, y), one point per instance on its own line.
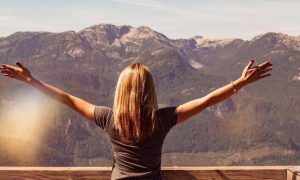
(250, 75)
(21, 73)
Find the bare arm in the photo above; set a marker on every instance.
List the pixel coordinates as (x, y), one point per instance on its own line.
(21, 73)
(191, 108)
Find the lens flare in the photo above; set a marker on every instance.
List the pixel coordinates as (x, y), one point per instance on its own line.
(24, 125)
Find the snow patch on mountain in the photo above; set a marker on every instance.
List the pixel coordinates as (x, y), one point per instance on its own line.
(297, 77)
(156, 52)
(188, 91)
(292, 42)
(205, 42)
(76, 52)
(137, 33)
(195, 64)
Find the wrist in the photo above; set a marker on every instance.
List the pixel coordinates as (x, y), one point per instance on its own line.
(30, 80)
(239, 83)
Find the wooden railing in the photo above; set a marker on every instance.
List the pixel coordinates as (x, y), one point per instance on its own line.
(169, 173)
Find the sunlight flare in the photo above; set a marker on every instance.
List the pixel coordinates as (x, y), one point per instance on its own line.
(24, 126)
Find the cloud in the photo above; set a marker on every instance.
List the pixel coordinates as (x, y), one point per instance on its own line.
(7, 18)
(146, 3)
(168, 8)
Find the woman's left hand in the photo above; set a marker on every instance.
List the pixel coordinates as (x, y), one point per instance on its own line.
(252, 74)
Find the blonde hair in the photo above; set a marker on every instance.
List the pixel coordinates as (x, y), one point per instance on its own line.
(135, 104)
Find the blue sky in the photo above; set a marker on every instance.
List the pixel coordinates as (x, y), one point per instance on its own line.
(176, 19)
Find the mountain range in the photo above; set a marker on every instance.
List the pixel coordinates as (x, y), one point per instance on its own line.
(260, 125)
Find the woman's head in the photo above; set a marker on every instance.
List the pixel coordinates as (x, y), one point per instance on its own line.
(135, 104)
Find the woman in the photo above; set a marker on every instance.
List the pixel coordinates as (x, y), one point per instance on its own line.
(135, 125)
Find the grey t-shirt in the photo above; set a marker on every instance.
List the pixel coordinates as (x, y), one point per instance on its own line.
(141, 160)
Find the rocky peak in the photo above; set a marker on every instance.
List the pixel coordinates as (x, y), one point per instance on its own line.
(214, 43)
(107, 34)
(107, 29)
(270, 36)
(292, 42)
(139, 34)
(103, 33)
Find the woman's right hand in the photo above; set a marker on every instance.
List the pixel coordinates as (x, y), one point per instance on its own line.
(20, 73)
(252, 74)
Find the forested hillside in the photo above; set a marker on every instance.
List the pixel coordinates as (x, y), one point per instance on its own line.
(260, 125)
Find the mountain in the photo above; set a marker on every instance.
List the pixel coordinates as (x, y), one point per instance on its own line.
(257, 126)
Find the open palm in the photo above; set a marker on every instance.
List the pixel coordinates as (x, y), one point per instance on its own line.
(252, 74)
(20, 72)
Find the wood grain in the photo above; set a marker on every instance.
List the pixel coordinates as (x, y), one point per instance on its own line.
(169, 173)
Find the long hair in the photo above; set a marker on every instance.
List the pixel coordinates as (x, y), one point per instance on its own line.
(135, 104)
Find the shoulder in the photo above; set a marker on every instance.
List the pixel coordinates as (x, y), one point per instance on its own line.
(102, 108)
(167, 117)
(101, 111)
(102, 116)
(167, 111)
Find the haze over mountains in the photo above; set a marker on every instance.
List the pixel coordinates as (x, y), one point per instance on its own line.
(260, 125)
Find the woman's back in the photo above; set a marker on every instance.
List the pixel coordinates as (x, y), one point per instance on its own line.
(138, 160)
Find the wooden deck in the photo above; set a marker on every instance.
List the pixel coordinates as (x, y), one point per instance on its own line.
(169, 173)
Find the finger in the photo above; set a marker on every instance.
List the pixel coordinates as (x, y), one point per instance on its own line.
(266, 70)
(8, 75)
(5, 71)
(263, 76)
(253, 71)
(265, 64)
(2, 66)
(261, 69)
(10, 67)
(8, 70)
(20, 65)
(250, 64)
(254, 68)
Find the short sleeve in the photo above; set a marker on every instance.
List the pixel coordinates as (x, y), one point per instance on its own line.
(101, 115)
(167, 118)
